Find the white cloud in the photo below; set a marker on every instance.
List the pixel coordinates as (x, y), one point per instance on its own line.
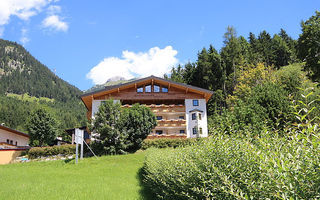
(154, 62)
(54, 22)
(24, 37)
(53, 9)
(24, 9)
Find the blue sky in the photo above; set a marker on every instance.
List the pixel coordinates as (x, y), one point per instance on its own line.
(86, 42)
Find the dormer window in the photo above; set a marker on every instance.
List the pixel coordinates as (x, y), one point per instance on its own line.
(156, 88)
(148, 88)
(164, 89)
(152, 88)
(140, 89)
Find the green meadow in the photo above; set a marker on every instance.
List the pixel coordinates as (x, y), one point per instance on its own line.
(108, 177)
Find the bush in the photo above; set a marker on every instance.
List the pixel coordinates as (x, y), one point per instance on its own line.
(267, 106)
(167, 142)
(228, 168)
(38, 152)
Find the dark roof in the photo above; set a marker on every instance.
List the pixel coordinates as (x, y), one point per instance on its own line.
(195, 110)
(143, 79)
(13, 131)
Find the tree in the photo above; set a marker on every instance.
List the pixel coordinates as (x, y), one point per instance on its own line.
(120, 130)
(42, 128)
(177, 74)
(248, 79)
(230, 53)
(309, 45)
(291, 43)
(265, 48)
(203, 70)
(107, 128)
(281, 51)
(137, 121)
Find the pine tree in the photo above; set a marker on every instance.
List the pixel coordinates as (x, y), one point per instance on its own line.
(309, 45)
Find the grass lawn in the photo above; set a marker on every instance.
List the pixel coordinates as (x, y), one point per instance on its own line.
(108, 177)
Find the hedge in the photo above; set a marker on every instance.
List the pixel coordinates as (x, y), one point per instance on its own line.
(167, 142)
(37, 152)
(230, 168)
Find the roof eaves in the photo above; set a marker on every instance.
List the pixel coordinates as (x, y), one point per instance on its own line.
(143, 79)
(13, 131)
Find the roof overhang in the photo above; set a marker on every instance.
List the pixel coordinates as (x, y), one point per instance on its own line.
(87, 98)
(14, 131)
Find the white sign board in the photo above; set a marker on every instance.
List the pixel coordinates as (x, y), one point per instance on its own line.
(78, 136)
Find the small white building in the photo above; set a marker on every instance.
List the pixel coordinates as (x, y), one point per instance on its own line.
(12, 143)
(12, 138)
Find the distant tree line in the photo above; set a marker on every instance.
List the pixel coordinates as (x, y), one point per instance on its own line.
(15, 113)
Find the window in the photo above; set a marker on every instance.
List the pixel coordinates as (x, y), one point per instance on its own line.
(156, 88)
(195, 102)
(159, 132)
(181, 117)
(159, 117)
(199, 116)
(140, 89)
(181, 131)
(194, 130)
(16, 143)
(11, 141)
(194, 116)
(200, 131)
(148, 88)
(164, 89)
(8, 141)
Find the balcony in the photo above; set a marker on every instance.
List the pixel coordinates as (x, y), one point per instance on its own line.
(171, 123)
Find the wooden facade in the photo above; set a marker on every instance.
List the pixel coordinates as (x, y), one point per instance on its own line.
(165, 98)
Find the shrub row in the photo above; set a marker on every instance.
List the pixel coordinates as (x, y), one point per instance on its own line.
(37, 152)
(167, 142)
(232, 168)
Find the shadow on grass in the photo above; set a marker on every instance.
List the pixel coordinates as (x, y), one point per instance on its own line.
(68, 160)
(145, 192)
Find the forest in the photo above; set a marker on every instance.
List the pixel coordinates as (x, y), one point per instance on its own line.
(257, 81)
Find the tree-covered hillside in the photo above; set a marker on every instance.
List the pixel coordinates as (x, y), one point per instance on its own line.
(21, 73)
(27, 85)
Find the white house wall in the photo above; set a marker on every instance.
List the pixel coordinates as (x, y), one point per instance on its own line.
(21, 140)
(199, 123)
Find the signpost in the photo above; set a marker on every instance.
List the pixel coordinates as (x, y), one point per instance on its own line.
(79, 140)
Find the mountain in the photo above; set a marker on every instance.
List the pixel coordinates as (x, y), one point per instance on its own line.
(21, 73)
(26, 84)
(111, 81)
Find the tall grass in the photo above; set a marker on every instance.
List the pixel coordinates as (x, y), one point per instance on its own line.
(267, 167)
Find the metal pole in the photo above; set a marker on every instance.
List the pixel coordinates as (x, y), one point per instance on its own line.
(76, 153)
(81, 153)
